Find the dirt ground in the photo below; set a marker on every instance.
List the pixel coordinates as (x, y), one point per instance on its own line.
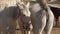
(56, 30)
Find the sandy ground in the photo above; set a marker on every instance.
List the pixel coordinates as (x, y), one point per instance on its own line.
(56, 30)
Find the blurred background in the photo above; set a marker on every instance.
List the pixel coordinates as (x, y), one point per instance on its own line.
(53, 4)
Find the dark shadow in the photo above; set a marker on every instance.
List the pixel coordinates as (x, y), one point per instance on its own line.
(56, 12)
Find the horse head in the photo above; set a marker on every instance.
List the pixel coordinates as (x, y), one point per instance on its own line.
(24, 14)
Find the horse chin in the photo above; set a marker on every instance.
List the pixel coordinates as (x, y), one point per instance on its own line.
(30, 25)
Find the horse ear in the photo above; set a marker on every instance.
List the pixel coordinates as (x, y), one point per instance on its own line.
(18, 4)
(28, 4)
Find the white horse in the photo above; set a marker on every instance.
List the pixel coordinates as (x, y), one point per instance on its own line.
(41, 17)
(10, 15)
(25, 18)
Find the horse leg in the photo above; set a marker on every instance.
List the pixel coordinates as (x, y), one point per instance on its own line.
(38, 25)
(48, 27)
(49, 24)
(12, 30)
(28, 32)
(4, 33)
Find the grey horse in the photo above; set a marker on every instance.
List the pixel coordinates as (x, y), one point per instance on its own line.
(41, 17)
(10, 15)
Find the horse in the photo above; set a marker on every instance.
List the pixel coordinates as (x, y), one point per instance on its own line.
(41, 17)
(26, 20)
(9, 16)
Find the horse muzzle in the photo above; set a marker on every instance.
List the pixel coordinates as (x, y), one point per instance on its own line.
(28, 26)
